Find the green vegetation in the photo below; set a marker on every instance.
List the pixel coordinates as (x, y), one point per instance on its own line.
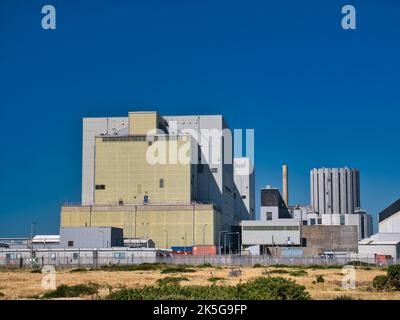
(178, 269)
(36, 271)
(390, 281)
(257, 265)
(134, 267)
(298, 273)
(205, 265)
(319, 279)
(280, 271)
(271, 288)
(215, 279)
(343, 297)
(64, 291)
(171, 280)
(79, 270)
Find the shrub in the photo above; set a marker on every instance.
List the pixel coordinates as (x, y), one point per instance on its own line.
(298, 273)
(274, 288)
(215, 279)
(393, 274)
(171, 280)
(257, 265)
(205, 265)
(258, 289)
(79, 270)
(319, 279)
(389, 282)
(380, 282)
(135, 267)
(280, 271)
(178, 269)
(64, 291)
(36, 271)
(343, 297)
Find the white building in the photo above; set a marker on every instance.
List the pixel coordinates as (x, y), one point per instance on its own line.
(387, 241)
(244, 199)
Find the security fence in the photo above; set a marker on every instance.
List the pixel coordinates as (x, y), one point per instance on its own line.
(91, 259)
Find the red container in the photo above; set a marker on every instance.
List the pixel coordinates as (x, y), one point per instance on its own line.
(204, 250)
(181, 252)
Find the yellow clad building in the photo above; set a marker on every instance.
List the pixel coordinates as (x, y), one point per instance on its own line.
(145, 181)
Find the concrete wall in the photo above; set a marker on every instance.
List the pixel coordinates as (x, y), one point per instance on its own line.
(167, 225)
(245, 186)
(270, 232)
(336, 238)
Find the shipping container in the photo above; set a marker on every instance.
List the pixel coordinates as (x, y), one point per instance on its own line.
(182, 250)
(201, 250)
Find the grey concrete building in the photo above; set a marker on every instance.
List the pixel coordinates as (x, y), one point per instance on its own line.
(244, 197)
(335, 190)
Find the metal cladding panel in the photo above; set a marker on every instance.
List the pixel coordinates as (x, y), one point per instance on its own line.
(321, 191)
(335, 191)
(93, 127)
(389, 211)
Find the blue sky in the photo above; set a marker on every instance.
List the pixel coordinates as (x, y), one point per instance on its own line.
(316, 95)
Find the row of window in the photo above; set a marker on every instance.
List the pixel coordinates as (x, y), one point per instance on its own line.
(141, 138)
(270, 228)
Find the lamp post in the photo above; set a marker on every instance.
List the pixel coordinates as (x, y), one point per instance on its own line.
(204, 234)
(166, 237)
(32, 229)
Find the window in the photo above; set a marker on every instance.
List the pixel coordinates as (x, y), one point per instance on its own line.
(234, 195)
(100, 187)
(312, 221)
(161, 183)
(75, 256)
(305, 222)
(70, 243)
(270, 228)
(244, 197)
(319, 221)
(119, 255)
(214, 170)
(269, 215)
(120, 202)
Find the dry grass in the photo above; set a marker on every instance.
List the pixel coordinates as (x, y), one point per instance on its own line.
(23, 284)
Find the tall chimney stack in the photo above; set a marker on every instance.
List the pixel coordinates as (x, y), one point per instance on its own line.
(285, 184)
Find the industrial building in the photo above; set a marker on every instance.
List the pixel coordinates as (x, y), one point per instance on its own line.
(335, 196)
(282, 225)
(133, 178)
(385, 244)
(244, 195)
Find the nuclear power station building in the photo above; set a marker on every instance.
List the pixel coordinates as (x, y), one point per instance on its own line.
(168, 178)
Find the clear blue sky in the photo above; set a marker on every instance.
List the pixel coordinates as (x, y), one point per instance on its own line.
(315, 94)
